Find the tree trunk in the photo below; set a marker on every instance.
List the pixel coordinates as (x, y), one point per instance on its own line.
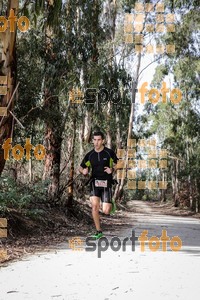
(108, 133)
(163, 191)
(53, 117)
(71, 175)
(175, 182)
(81, 140)
(30, 169)
(53, 142)
(118, 136)
(119, 189)
(87, 126)
(7, 68)
(197, 189)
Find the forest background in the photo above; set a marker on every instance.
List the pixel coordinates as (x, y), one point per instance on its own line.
(73, 46)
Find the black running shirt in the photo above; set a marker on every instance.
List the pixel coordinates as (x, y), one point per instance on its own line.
(98, 160)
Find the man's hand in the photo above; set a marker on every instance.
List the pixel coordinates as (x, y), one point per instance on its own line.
(108, 170)
(85, 171)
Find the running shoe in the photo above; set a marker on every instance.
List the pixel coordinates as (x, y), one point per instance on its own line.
(97, 235)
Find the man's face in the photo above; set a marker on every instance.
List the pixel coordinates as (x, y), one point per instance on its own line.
(98, 142)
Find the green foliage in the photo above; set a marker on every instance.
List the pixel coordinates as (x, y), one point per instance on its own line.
(178, 126)
(73, 44)
(13, 195)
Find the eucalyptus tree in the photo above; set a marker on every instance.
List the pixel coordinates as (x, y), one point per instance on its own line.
(8, 68)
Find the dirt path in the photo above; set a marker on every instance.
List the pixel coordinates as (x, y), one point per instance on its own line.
(63, 273)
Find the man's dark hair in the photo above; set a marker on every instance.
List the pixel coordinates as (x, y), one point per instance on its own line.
(99, 133)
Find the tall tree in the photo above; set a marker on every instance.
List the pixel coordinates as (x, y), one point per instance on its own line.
(8, 68)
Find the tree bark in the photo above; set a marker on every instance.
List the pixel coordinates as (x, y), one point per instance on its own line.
(71, 175)
(119, 189)
(53, 142)
(8, 68)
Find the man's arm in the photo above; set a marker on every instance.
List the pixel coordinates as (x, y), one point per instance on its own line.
(84, 165)
(113, 165)
(108, 170)
(115, 160)
(84, 171)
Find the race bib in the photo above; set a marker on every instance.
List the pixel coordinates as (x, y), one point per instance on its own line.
(100, 183)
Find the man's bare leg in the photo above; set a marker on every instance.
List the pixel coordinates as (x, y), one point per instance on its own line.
(107, 207)
(95, 211)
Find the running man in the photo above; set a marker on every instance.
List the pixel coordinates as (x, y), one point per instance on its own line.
(100, 160)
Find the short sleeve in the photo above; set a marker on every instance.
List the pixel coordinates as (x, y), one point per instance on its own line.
(85, 162)
(114, 157)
